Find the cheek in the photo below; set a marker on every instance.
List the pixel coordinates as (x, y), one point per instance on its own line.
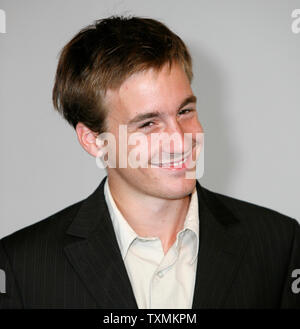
(138, 150)
(193, 126)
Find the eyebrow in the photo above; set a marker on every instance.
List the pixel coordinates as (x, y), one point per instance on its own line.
(157, 114)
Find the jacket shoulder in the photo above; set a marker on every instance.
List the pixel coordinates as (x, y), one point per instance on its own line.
(51, 228)
(254, 215)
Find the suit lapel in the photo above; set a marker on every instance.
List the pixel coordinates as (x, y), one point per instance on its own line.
(221, 248)
(96, 256)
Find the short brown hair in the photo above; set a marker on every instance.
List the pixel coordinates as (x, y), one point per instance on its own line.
(102, 55)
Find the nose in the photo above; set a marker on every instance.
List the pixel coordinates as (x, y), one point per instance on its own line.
(175, 144)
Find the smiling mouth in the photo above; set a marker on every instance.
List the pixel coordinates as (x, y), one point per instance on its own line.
(173, 164)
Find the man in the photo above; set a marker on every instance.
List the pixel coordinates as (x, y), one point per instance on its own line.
(148, 237)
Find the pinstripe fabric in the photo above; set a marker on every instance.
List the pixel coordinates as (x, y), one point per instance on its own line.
(71, 259)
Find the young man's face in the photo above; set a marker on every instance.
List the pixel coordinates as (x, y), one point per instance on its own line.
(167, 94)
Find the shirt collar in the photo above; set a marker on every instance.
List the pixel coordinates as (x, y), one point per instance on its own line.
(124, 232)
(126, 235)
(192, 222)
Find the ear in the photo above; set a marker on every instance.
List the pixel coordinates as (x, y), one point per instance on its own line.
(88, 139)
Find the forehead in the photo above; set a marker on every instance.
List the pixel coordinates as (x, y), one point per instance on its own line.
(149, 91)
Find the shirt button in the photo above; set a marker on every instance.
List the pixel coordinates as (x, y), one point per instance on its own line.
(160, 274)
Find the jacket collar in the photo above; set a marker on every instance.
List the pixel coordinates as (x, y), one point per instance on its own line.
(98, 261)
(223, 243)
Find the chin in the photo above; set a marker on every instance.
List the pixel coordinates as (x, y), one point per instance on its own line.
(178, 190)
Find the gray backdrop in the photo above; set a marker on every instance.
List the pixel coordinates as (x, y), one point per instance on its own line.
(247, 77)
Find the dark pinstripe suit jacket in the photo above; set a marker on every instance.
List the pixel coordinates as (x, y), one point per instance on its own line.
(71, 259)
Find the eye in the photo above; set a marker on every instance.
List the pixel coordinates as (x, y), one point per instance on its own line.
(186, 111)
(146, 124)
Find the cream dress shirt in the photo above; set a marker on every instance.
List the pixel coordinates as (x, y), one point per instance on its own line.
(158, 280)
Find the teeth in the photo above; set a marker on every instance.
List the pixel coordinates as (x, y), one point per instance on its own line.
(174, 164)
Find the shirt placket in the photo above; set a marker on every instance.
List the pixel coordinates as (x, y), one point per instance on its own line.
(160, 282)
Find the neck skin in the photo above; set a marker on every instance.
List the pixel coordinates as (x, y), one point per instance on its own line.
(150, 216)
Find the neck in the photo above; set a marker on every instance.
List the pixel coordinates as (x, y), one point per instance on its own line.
(150, 216)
